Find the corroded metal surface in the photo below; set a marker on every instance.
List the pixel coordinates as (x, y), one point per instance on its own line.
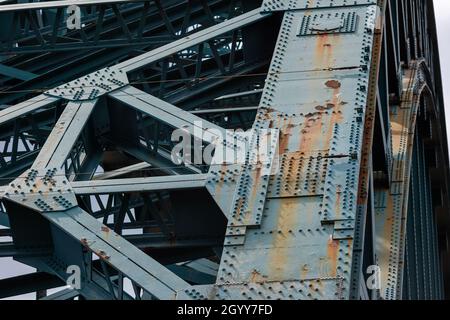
(307, 226)
(354, 178)
(392, 204)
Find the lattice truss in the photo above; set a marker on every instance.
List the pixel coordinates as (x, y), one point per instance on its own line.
(88, 179)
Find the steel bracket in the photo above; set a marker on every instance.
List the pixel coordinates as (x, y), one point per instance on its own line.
(46, 190)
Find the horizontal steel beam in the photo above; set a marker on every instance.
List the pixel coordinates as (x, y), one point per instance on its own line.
(8, 249)
(161, 161)
(221, 110)
(166, 183)
(28, 283)
(166, 112)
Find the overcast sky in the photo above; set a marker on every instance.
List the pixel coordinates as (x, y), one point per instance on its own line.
(442, 8)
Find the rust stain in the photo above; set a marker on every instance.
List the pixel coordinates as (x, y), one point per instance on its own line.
(311, 134)
(326, 107)
(350, 247)
(324, 57)
(336, 114)
(337, 205)
(256, 277)
(84, 242)
(284, 137)
(323, 54)
(256, 184)
(102, 255)
(239, 207)
(304, 271)
(219, 185)
(106, 232)
(333, 84)
(279, 256)
(332, 255)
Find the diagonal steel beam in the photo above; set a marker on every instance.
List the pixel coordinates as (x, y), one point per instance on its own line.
(16, 73)
(192, 40)
(25, 108)
(122, 171)
(64, 135)
(119, 253)
(165, 112)
(161, 161)
(177, 182)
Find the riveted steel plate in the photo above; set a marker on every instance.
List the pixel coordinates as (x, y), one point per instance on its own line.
(316, 95)
(299, 176)
(284, 5)
(317, 289)
(92, 86)
(251, 189)
(221, 184)
(344, 22)
(45, 190)
(340, 198)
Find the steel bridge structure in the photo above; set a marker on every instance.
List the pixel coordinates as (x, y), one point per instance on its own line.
(351, 201)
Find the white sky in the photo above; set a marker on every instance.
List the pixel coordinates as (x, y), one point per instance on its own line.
(442, 8)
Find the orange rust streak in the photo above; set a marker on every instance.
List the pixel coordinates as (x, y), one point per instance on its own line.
(323, 52)
(337, 206)
(311, 134)
(312, 130)
(336, 116)
(278, 257)
(284, 138)
(324, 59)
(219, 185)
(256, 183)
(239, 207)
(256, 277)
(332, 254)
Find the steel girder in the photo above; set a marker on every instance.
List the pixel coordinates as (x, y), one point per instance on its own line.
(362, 153)
(42, 26)
(52, 62)
(71, 125)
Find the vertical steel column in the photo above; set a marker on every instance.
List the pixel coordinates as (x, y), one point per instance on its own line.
(316, 95)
